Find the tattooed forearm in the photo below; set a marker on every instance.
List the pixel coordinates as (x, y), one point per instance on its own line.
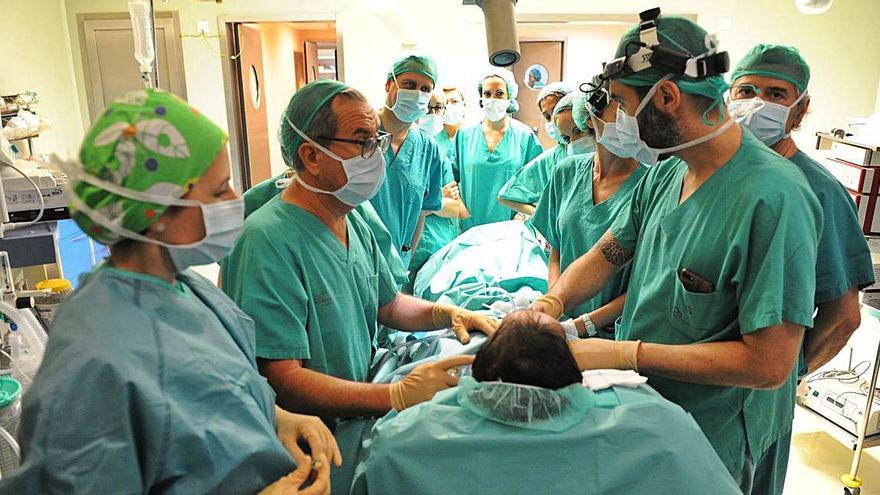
(616, 254)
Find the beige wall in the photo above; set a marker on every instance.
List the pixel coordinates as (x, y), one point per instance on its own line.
(36, 57)
(279, 42)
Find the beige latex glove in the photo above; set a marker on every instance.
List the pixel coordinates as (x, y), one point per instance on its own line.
(293, 428)
(550, 305)
(597, 354)
(461, 320)
(424, 381)
(293, 482)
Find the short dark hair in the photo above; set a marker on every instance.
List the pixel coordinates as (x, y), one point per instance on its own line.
(325, 123)
(527, 351)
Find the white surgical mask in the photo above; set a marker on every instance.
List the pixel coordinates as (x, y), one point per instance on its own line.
(223, 221)
(364, 175)
(495, 108)
(433, 124)
(623, 140)
(554, 133)
(580, 146)
(766, 120)
(454, 114)
(410, 103)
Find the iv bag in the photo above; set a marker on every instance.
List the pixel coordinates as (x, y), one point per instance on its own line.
(142, 28)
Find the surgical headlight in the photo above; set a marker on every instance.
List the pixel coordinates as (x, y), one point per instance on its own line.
(651, 53)
(597, 96)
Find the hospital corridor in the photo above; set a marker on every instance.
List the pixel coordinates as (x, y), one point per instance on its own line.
(435, 247)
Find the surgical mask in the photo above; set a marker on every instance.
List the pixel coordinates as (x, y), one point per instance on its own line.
(410, 104)
(580, 146)
(554, 133)
(623, 140)
(433, 124)
(454, 114)
(364, 175)
(766, 120)
(495, 108)
(223, 222)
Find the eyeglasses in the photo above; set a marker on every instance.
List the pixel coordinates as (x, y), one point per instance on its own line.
(436, 108)
(368, 146)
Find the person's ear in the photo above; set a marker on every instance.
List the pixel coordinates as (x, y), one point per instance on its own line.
(309, 156)
(800, 112)
(668, 97)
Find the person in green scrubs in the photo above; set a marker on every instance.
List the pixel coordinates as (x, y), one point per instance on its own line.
(489, 153)
(440, 230)
(149, 383)
(414, 163)
(585, 194)
(769, 96)
(722, 238)
(523, 190)
(260, 194)
(311, 275)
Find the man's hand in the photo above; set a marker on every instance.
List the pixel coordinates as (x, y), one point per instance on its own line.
(424, 381)
(293, 428)
(461, 321)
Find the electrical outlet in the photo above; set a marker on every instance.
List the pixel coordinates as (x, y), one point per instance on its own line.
(202, 27)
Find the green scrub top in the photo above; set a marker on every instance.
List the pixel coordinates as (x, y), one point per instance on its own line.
(446, 144)
(148, 387)
(260, 194)
(844, 260)
(752, 229)
(438, 232)
(311, 299)
(572, 224)
(412, 185)
(528, 182)
(482, 174)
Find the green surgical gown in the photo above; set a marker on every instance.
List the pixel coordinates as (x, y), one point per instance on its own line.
(310, 297)
(528, 182)
(438, 232)
(260, 194)
(752, 230)
(481, 174)
(632, 441)
(446, 144)
(412, 185)
(147, 387)
(572, 224)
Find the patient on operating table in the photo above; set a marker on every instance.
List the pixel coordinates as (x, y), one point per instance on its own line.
(523, 423)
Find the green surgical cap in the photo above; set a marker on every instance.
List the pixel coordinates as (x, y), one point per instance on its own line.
(420, 64)
(565, 103)
(776, 61)
(509, 81)
(579, 111)
(554, 88)
(147, 141)
(685, 35)
(301, 110)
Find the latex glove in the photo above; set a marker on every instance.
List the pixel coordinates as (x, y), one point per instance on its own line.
(293, 482)
(596, 354)
(424, 381)
(451, 191)
(295, 428)
(462, 320)
(550, 305)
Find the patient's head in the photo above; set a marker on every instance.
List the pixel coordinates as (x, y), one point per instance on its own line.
(529, 348)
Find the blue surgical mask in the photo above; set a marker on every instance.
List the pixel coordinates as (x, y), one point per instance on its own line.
(554, 133)
(623, 140)
(410, 104)
(766, 120)
(433, 124)
(495, 108)
(580, 146)
(454, 114)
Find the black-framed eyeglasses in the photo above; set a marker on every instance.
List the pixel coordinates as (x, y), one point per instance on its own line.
(368, 146)
(436, 108)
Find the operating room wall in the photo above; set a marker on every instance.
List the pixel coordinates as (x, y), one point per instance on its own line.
(36, 57)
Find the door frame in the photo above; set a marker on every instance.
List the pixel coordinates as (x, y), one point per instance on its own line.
(232, 83)
(173, 47)
(554, 39)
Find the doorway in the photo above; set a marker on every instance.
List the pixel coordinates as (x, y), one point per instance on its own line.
(109, 66)
(541, 63)
(271, 60)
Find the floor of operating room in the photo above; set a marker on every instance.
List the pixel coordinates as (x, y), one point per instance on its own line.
(817, 459)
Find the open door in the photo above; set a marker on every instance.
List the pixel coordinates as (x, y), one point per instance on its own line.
(255, 131)
(540, 64)
(311, 51)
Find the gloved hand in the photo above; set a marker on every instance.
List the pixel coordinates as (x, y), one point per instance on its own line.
(293, 428)
(461, 320)
(595, 354)
(424, 381)
(550, 305)
(293, 482)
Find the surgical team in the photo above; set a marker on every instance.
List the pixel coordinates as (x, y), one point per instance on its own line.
(689, 240)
